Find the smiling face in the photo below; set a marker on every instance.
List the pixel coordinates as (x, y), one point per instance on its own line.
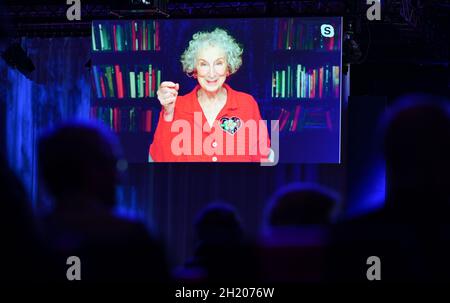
(211, 68)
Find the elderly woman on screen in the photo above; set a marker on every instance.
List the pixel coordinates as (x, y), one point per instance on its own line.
(213, 122)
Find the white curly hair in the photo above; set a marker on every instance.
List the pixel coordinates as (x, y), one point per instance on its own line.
(219, 38)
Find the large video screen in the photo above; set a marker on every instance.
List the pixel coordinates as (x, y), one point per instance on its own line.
(264, 90)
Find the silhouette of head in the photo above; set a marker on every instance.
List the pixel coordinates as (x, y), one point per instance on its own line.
(79, 160)
(300, 204)
(417, 148)
(218, 223)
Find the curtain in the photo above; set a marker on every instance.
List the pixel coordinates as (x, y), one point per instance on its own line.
(57, 90)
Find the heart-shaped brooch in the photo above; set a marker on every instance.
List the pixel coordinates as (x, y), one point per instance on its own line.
(230, 125)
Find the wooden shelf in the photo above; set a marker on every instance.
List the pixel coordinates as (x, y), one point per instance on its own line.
(305, 51)
(129, 52)
(293, 56)
(128, 102)
(125, 57)
(287, 101)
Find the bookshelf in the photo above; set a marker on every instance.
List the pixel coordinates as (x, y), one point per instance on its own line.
(289, 34)
(125, 82)
(126, 73)
(305, 76)
(120, 36)
(146, 103)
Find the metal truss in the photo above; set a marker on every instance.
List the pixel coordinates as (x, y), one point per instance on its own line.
(47, 18)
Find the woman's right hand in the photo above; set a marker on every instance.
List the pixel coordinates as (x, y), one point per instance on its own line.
(167, 96)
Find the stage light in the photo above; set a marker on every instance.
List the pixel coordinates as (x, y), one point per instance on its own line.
(138, 2)
(16, 57)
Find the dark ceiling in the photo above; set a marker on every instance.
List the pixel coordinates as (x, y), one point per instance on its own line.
(409, 29)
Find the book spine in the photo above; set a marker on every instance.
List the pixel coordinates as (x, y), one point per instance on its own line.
(96, 77)
(291, 91)
(102, 84)
(94, 44)
(132, 85)
(288, 81)
(147, 90)
(115, 119)
(150, 81)
(153, 80)
(107, 31)
(157, 46)
(108, 83)
(336, 81)
(133, 36)
(102, 38)
(111, 118)
(158, 78)
(121, 89)
(309, 85)
(285, 119)
(119, 38)
(141, 85)
(298, 81)
(115, 37)
(277, 89)
(143, 35)
(296, 117)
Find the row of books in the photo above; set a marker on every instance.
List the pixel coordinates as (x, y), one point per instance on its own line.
(126, 36)
(299, 118)
(290, 35)
(296, 81)
(131, 119)
(126, 81)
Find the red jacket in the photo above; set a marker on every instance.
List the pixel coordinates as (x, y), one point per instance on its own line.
(238, 135)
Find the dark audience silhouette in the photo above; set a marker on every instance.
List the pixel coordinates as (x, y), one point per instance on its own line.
(410, 234)
(78, 165)
(417, 149)
(300, 204)
(23, 257)
(296, 233)
(222, 250)
(302, 239)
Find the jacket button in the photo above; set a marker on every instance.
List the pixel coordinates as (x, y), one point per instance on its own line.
(214, 144)
(214, 159)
